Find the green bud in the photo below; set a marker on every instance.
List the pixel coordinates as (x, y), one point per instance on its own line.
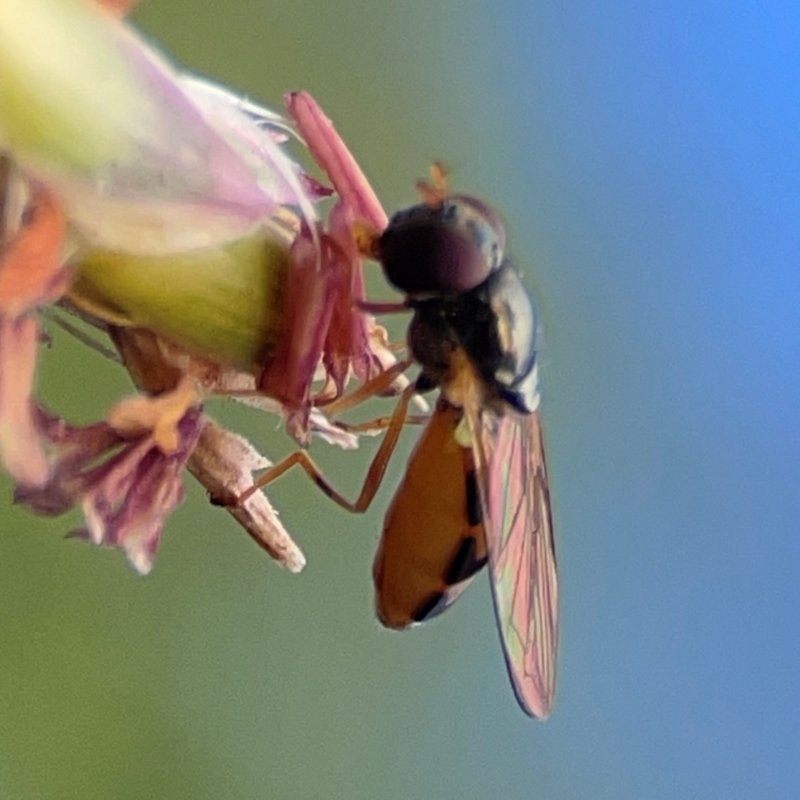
(223, 304)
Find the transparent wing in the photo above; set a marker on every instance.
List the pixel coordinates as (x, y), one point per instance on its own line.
(509, 453)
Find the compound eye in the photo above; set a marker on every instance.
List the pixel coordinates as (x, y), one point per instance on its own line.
(445, 249)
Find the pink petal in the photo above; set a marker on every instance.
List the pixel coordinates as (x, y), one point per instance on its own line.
(31, 270)
(119, 8)
(347, 340)
(21, 446)
(334, 157)
(126, 487)
(308, 306)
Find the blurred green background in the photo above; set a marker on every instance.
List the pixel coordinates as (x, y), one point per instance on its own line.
(645, 158)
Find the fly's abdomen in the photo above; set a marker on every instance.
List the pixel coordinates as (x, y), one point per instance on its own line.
(433, 541)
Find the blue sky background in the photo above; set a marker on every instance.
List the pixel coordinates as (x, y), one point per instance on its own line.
(645, 158)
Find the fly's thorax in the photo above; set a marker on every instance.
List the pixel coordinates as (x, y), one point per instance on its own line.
(448, 247)
(432, 341)
(494, 326)
(506, 355)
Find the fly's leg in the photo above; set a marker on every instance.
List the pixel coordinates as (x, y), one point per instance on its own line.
(381, 423)
(374, 386)
(375, 474)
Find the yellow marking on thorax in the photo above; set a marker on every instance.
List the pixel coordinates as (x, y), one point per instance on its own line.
(463, 386)
(465, 389)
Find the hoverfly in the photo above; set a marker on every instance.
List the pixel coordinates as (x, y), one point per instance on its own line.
(475, 488)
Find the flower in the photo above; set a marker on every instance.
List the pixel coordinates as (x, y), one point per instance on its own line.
(126, 497)
(166, 211)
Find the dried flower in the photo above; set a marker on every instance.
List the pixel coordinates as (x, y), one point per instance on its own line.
(166, 211)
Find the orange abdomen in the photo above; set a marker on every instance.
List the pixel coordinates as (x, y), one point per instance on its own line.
(433, 540)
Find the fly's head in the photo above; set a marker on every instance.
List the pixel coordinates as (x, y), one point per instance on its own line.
(443, 247)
